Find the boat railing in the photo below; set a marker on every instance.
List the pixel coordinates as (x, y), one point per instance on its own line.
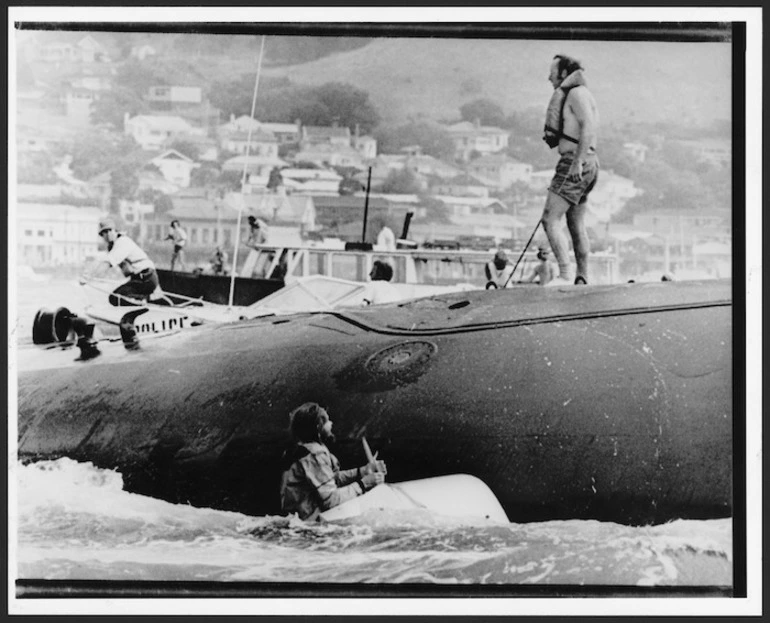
(427, 266)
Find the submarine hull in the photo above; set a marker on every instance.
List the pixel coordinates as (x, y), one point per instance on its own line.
(611, 403)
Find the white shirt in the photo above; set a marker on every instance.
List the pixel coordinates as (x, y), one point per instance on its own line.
(126, 254)
(386, 239)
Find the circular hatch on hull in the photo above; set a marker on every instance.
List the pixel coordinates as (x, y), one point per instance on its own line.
(388, 368)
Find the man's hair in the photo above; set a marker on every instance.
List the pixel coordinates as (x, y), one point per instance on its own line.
(304, 421)
(174, 221)
(567, 63)
(382, 271)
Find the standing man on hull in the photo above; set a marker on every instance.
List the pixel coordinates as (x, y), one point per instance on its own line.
(571, 125)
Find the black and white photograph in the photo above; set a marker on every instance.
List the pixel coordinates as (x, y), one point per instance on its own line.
(357, 311)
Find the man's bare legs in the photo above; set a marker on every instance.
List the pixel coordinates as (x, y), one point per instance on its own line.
(555, 208)
(580, 242)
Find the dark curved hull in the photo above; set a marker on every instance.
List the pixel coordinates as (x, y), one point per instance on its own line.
(216, 288)
(612, 403)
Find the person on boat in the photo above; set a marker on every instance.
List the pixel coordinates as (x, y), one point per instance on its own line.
(386, 239)
(498, 271)
(572, 121)
(257, 231)
(124, 253)
(219, 261)
(179, 238)
(312, 481)
(545, 271)
(379, 289)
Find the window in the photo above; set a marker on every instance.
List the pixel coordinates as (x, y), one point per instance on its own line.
(40, 233)
(193, 235)
(27, 232)
(205, 235)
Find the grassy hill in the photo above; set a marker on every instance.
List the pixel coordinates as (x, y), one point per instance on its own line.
(632, 81)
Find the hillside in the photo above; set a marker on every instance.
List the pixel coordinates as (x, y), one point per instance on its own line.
(632, 81)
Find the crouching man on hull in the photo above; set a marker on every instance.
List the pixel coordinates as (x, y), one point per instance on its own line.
(312, 481)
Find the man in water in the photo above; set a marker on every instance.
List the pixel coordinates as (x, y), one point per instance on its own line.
(571, 125)
(179, 237)
(312, 481)
(124, 253)
(498, 271)
(544, 272)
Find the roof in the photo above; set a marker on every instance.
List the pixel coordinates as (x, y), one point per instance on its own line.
(171, 154)
(349, 202)
(159, 122)
(277, 208)
(259, 135)
(464, 127)
(465, 179)
(317, 131)
(496, 159)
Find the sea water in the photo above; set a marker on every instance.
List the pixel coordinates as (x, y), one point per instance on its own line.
(74, 521)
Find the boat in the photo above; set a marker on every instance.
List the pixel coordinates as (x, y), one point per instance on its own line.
(267, 268)
(603, 402)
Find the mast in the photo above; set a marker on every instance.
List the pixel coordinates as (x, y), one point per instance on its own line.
(243, 177)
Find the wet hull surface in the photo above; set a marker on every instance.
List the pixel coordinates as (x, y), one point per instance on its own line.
(612, 403)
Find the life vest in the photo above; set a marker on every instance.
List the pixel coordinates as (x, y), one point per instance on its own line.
(499, 276)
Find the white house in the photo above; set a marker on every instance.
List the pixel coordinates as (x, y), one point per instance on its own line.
(311, 181)
(258, 143)
(175, 167)
(152, 131)
(469, 137)
(56, 234)
(499, 171)
(365, 145)
(610, 195)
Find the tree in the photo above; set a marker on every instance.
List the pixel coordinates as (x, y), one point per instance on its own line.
(336, 102)
(402, 181)
(432, 138)
(435, 210)
(205, 175)
(485, 110)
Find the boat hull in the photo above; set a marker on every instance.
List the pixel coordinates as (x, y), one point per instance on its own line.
(611, 403)
(216, 288)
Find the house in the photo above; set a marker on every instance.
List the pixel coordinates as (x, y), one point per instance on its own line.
(365, 145)
(208, 150)
(611, 194)
(311, 181)
(257, 167)
(330, 154)
(72, 47)
(473, 137)
(716, 152)
(167, 97)
(463, 185)
(152, 131)
(142, 51)
(313, 135)
(499, 171)
(175, 167)
(331, 212)
(133, 211)
(296, 212)
(283, 132)
(150, 178)
(681, 225)
(257, 143)
(55, 234)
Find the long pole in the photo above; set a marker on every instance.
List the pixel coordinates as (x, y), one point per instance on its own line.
(243, 177)
(522, 253)
(366, 203)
